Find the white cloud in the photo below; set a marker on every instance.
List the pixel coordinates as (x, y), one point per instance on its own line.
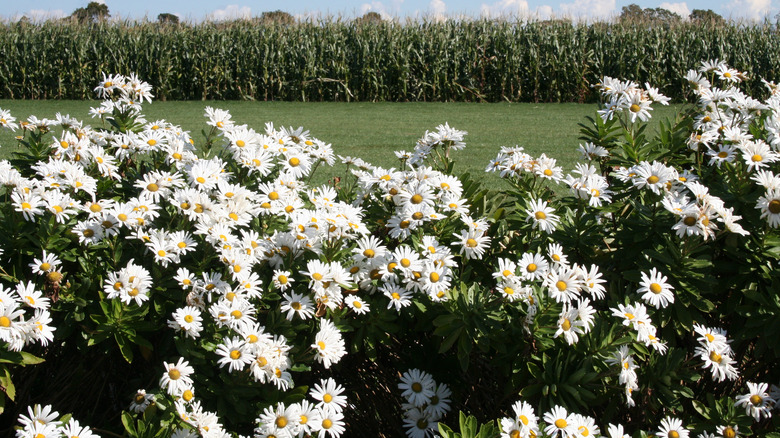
(438, 8)
(680, 9)
(512, 8)
(39, 15)
(588, 9)
(231, 12)
(750, 9)
(377, 7)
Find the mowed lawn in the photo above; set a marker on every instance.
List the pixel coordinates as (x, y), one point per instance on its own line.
(371, 131)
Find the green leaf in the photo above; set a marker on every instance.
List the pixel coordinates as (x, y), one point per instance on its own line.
(129, 423)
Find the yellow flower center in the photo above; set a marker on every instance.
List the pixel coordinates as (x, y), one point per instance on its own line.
(174, 374)
(369, 253)
(514, 434)
(200, 180)
(655, 288)
(566, 325)
(416, 199)
(709, 337)
(236, 314)
(5, 321)
(774, 206)
(729, 432)
(296, 306)
(556, 257)
(282, 279)
(235, 354)
(321, 345)
(548, 172)
(294, 161)
(540, 215)
(188, 318)
(152, 187)
(281, 422)
(523, 419)
(561, 423)
(151, 142)
(396, 295)
(45, 266)
(357, 304)
(404, 224)
(561, 285)
(327, 423)
(635, 108)
(584, 431)
(689, 221)
(26, 206)
(434, 277)
(715, 357)
(240, 143)
(756, 399)
(317, 276)
(187, 395)
(652, 179)
(417, 215)
(756, 158)
(134, 292)
(509, 291)
(417, 387)
(532, 267)
(673, 434)
(327, 398)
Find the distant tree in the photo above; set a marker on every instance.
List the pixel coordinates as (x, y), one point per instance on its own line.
(706, 17)
(369, 18)
(661, 15)
(167, 18)
(277, 17)
(634, 13)
(93, 12)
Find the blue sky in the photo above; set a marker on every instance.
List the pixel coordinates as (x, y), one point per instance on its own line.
(199, 10)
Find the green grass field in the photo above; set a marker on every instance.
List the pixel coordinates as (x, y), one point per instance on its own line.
(372, 131)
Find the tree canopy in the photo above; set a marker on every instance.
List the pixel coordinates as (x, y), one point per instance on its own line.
(93, 12)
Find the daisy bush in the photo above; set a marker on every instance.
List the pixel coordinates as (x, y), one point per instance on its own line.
(205, 287)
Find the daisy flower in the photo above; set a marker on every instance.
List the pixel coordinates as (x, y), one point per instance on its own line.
(234, 354)
(559, 423)
(533, 266)
(672, 428)
(543, 217)
(328, 344)
(47, 263)
(329, 394)
(297, 304)
(177, 376)
(330, 424)
(141, 401)
(757, 402)
(769, 204)
(187, 319)
(472, 243)
(569, 325)
(417, 386)
(656, 291)
(399, 296)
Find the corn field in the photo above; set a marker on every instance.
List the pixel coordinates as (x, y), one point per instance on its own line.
(347, 61)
